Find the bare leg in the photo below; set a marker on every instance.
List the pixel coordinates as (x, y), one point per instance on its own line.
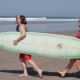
(68, 67)
(24, 68)
(35, 67)
(77, 63)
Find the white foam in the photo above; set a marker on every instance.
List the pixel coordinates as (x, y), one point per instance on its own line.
(43, 19)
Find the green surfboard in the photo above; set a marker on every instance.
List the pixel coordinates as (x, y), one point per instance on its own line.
(42, 44)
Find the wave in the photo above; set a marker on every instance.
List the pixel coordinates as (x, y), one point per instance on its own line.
(39, 19)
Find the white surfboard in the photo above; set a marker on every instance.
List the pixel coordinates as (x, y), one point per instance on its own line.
(42, 44)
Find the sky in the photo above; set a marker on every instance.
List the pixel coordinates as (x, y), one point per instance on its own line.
(40, 8)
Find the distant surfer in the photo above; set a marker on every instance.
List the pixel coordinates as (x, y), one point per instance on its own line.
(72, 61)
(22, 28)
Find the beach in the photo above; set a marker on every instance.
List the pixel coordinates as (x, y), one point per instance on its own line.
(10, 66)
(45, 16)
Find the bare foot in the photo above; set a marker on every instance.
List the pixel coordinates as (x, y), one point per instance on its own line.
(40, 73)
(24, 75)
(62, 73)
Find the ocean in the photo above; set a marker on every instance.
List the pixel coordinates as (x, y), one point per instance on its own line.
(42, 26)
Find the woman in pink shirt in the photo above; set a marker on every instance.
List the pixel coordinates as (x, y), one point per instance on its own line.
(72, 61)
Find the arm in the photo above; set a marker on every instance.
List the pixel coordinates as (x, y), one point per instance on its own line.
(21, 36)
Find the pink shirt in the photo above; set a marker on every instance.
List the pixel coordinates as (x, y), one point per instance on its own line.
(77, 35)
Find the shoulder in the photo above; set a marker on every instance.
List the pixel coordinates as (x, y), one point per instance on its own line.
(22, 26)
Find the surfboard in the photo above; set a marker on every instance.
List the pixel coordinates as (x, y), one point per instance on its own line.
(42, 44)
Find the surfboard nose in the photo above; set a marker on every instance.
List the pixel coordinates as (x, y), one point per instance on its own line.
(1, 40)
(0, 37)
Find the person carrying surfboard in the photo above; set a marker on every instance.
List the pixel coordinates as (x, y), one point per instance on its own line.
(72, 61)
(22, 28)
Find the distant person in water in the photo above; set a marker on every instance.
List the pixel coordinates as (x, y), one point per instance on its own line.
(22, 28)
(72, 61)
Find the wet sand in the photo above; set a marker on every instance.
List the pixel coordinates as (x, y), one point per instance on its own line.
(10, 67)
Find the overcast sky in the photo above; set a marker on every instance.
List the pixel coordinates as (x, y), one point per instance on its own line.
(47, 8)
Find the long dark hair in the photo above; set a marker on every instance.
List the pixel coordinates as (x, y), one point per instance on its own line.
(23, 19)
